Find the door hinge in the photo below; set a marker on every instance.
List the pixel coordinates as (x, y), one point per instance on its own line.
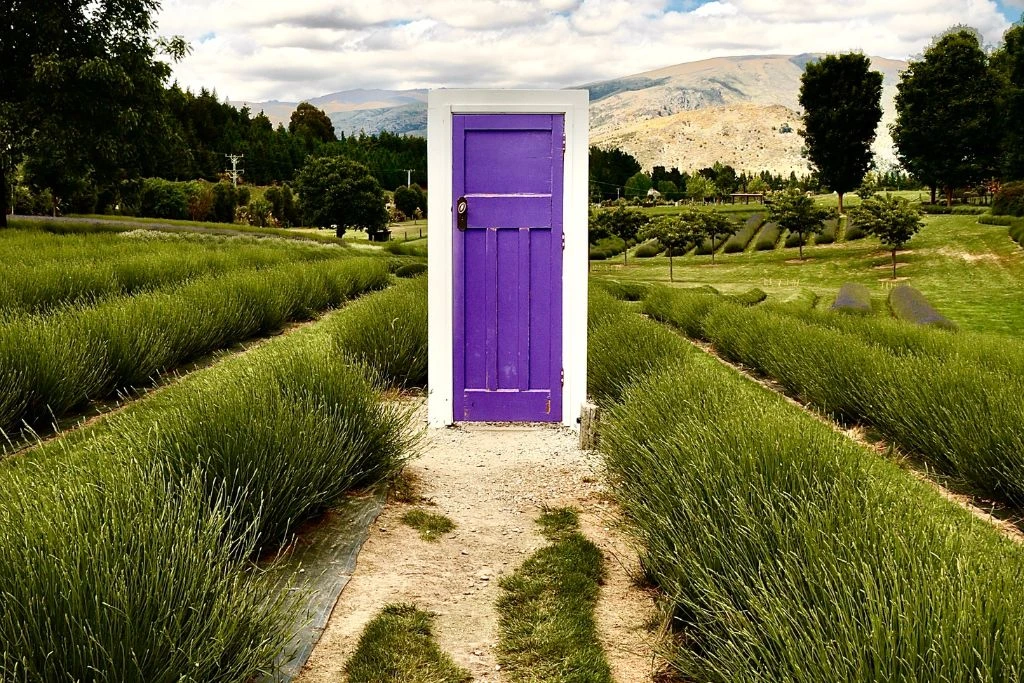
(561, 377)
(563, 241)
(563, 142)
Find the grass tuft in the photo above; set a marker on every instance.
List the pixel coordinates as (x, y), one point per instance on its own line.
(430, 525)
(546, 625)
(398, 645)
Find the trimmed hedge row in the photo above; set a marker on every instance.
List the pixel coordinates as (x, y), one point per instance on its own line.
(853, 298)
(909, 304)
(649, 249)
(960, 414)
(43, 271)
(828, 234)
(768, 237)
(854, 232)
(738, 242)
(125, 548)
(53, 366)
(788, 553)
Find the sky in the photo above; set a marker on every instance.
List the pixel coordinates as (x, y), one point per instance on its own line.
(298, 49)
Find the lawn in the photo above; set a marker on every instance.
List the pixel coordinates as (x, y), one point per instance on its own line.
(972, 273)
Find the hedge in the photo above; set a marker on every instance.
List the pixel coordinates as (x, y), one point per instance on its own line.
(768, 237)
(909, 304)
(785, 552)
(853, 298)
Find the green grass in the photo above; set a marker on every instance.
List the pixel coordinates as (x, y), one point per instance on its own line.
(785, 552)
(546, 609)
(430, 525)
(399, 645)
(972, 273)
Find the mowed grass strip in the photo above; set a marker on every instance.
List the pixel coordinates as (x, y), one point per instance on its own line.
(547, 630)
(786, 552)
(127, 547)
(952, 409)
(53, 366)
(399, 645)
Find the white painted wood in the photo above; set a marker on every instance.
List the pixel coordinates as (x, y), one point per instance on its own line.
(441, 104)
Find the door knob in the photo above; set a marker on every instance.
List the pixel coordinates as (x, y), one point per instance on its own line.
(462, 213)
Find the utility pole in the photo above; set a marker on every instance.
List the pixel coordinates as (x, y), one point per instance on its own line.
(408, 176)
(235, 172)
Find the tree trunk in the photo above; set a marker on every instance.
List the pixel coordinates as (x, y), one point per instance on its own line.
(949, 196)
(894, 263)
(932, 188)
(712, 250)
(801, 243)
(3, 193)
(840, 203)
(624, 254)
(670, 276)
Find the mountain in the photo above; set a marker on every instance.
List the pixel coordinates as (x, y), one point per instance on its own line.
(400, 111)
(742, 111)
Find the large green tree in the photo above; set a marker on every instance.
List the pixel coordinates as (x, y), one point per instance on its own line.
(947, 128)
(311, 123)
(340, 193)
(841, 97)
(81, 91)
(1008, 64)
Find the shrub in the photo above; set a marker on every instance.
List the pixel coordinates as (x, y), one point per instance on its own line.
(623, 348)
(828, 234)
(765, 530)
(936, 209)
(413, 248)
(989, 219)
(52, 366)
(649, 249)
(768, 237)
(411, 269)
(624, 291)
(1009, 200)
(684, 309)
(200, 200)
(225, 201)
(893, 380)
(259, 213)
(909, 304)
(853, 298)
(854, 231)
(100, 561)
(607, 247)
(163, 199)
(1017, 233)
(388, 333)
(749, 298)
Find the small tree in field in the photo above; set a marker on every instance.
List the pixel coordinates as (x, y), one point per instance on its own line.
(622, 222)
(342, 193)
(796, 212)
(715, 227)
(891, 219)
(676, 233)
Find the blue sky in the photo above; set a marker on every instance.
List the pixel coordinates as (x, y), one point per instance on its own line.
(268, 49)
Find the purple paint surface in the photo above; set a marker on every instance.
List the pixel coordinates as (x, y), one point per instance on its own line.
(508, 267)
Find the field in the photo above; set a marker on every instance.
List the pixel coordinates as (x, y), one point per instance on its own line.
(972, 273)
(131, 545)
(799, 480)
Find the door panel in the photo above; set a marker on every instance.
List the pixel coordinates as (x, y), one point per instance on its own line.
(508, 267)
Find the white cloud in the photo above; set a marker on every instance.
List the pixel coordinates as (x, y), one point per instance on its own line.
(262, 49)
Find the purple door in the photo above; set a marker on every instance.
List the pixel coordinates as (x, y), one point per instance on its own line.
(508, 266)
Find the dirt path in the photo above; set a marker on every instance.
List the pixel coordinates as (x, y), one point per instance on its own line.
(492, 481)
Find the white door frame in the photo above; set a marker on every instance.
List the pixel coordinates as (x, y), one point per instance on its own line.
(441, 105)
